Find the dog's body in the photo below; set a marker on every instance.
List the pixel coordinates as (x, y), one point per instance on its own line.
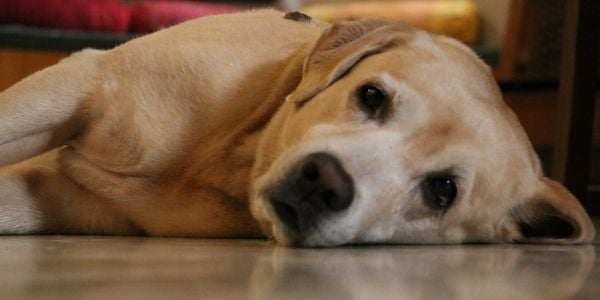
(186, 132)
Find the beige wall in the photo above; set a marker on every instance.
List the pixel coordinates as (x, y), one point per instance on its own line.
(494, 14)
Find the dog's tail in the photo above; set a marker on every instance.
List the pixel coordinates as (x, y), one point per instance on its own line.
(44, 110)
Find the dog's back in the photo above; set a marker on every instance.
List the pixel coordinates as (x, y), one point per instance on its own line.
(187, 84)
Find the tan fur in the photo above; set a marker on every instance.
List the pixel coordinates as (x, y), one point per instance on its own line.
(180, 132)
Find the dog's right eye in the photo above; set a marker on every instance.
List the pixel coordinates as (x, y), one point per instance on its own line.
(439, 191)
(371, 98)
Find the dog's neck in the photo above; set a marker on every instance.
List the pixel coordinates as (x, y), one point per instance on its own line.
(235, 154)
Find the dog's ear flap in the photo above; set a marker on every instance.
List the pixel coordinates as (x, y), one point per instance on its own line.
(338, 49)
(552, 215)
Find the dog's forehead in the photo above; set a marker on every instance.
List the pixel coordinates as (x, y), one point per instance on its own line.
(443, 69)
(461, 98)
(444, 73)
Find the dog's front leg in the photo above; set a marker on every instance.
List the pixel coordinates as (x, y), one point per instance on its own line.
(44, 110)
(35, 197)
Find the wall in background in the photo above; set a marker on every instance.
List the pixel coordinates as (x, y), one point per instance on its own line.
(494, 14)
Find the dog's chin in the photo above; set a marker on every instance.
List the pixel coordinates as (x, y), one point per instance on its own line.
(288, 238)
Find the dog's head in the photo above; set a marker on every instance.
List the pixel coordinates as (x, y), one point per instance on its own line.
(395, 135)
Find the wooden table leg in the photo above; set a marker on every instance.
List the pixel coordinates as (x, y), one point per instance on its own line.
(579, 68)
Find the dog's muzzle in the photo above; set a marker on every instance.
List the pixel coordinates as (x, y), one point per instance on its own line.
(316, 188)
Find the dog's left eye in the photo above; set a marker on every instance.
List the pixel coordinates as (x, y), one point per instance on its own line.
(439, 191)
(371, 98)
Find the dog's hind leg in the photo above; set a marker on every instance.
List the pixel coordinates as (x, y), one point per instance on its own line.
(45, 109)
(36, 197)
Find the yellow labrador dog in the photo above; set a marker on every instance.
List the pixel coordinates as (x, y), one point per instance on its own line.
(271, 124)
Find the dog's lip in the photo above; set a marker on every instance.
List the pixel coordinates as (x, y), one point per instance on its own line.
(286, 215)
(291, 231)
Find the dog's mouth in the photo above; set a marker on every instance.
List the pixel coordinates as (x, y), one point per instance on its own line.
(287, 215)
(291, 218)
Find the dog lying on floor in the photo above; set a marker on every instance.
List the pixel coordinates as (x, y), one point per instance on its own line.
(271, 124)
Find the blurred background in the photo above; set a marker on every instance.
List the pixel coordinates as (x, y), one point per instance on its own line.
(521, 39)
(105, 23)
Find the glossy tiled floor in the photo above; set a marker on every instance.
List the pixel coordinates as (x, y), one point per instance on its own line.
(56, 267)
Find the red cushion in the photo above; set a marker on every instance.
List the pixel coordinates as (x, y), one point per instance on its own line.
(101, 15)
(105, 15)
(153, 15)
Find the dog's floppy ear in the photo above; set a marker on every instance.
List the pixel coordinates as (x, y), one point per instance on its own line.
(552, 215)
(338, 49)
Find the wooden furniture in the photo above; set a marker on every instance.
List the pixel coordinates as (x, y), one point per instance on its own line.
(24, 50)
(576, 98)
(18, 64)
(515, 41)
(534, 49)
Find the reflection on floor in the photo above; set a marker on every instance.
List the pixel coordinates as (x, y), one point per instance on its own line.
(59, 267)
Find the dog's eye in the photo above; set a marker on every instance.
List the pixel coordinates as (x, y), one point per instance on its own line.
(371, 98)
(439, 191)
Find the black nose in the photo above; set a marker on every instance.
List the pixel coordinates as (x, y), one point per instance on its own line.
(325, 183)
(318, 186)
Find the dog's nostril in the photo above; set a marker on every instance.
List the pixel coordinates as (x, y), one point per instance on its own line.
(310, 170)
